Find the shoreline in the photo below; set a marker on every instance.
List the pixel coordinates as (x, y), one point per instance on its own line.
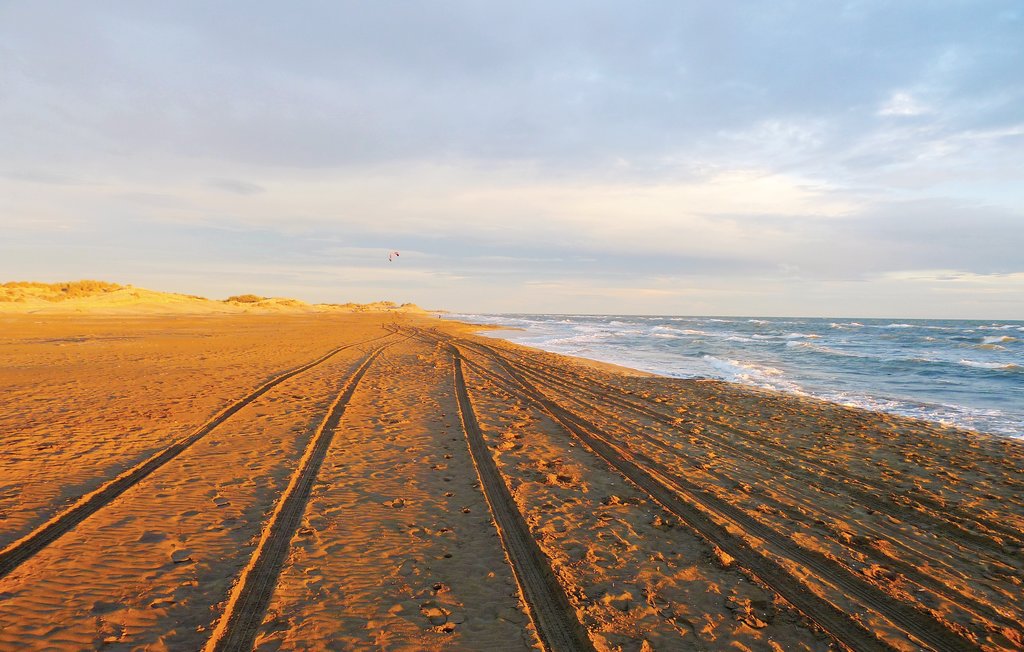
(942, 414)
(756, 516)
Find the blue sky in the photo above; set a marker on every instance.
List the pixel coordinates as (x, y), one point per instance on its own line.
(789, 158)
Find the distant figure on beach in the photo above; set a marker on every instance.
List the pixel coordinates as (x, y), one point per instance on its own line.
(392, 255)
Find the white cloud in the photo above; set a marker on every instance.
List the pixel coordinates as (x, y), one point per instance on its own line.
(903, 104)
(659, 153)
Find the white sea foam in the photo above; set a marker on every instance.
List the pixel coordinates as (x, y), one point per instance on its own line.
(998, 339)
(840, 361)
(810, 346)
(752, 374)
(1002, 366)
(660, 331)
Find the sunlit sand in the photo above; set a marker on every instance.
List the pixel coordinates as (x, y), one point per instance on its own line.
(178, 473)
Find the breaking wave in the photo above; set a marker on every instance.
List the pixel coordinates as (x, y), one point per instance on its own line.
(918, 368)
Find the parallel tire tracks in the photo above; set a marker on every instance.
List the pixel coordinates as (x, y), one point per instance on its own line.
(954, 522)
(248, 602)
(552, 615)
(682, 498)
(23, 549)
(909, 571)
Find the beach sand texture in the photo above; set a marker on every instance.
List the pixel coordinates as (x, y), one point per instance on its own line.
(383, 480)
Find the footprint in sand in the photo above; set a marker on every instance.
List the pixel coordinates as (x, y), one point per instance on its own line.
(220, 501)
(152, 537)
(181, 556)
(436, 615)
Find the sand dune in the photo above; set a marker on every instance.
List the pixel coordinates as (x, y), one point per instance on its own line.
(377, 480)
(99, 297)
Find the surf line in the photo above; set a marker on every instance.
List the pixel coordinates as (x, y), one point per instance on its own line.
(26, 547)
(243, 615)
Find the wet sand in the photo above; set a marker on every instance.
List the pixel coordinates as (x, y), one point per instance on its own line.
(388, 481)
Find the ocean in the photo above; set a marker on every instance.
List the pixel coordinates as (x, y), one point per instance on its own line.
(964, 373)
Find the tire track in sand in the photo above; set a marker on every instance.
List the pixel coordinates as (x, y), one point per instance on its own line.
(681, 499)
(910, 571)
(243, 615)
(552, 615)
(29, 545)
(939, 516)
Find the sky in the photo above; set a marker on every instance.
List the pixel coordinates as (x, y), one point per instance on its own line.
(861, 159)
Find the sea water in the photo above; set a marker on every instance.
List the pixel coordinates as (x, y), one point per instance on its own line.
(963, 373)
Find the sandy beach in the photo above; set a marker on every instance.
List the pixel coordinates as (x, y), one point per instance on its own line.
(387, 480)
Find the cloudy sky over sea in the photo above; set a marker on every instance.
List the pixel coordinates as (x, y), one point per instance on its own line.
(784, 158)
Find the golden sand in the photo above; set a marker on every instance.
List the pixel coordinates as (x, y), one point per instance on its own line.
(647, 513)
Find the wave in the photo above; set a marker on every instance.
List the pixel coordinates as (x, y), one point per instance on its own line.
(752, 374)
(997, 366)
(998, 339)
(662, 331)
(793, 344)
(902, 325)
(583, 338)
(948, 371)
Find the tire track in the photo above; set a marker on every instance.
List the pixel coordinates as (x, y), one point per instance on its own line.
(243, 615)
(940, 518)
(552, 615)
(682, 498)
(25, 548)
(957, 525)
(977, 609)
(910, 571)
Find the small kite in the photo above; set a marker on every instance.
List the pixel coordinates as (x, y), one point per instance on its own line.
(392, 255)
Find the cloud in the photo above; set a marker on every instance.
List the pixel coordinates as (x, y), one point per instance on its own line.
(236, 186)
(682, 145)
(903, 104)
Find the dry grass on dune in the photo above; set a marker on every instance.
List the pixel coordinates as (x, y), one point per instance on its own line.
(20, 290)
(98, 297)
